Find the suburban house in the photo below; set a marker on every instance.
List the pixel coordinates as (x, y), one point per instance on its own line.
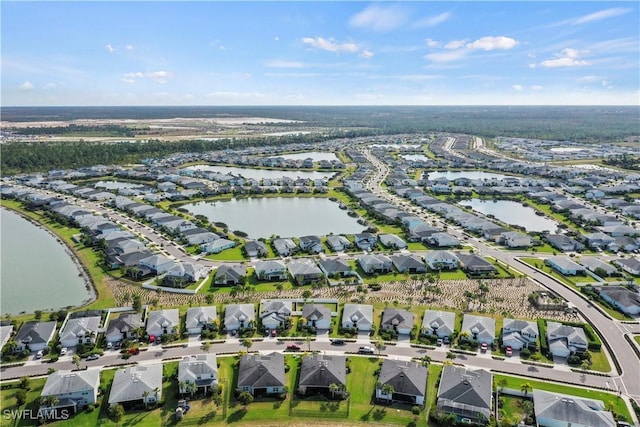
(358, 316)
(365, 241)
(239, 316)
(311, 244)
(317, 315)
(201, 370)
(275, 314)
(565, 266)
(554, 409)
(125, 327)
(233, 274)
(74, 390)
(284, 247)
(408, 264)
(336, 267)
(630, 265)
(318, 372)
(261, 374)
(201, 318)
(408, 379)
(5, 334)
(465, 393)
(442, 240)
(480, 328)
(626, 300)
(338, 243)
(137, 385)
(34, 336)
(392, 241)
(475, 265)
(271, 270)
(441, 260)
(158, 264)
(304, 271)
(439, 323)
(81, 330)
(199, 236)
(515, 239)
(162, 322)
(563, 243)
(217, 246)
(592, 264)
(375, 264)
(255, 248)
(519, 334)
(564, 340)
(184, 273)
(398, 320)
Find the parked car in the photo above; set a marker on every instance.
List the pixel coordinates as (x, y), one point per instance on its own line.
(337, 342)
(365, 350)
(93, 357)
(445, 340)
(483, 347)
(508, 351)
(39, 354)
(293, 347)
(133, 351)
(439, 342)
(63, 351)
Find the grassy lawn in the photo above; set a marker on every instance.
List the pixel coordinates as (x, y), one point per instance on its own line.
(8, 402)
(231, 254)
(512, 408)
(637, 339)
(432, 389)
(617, 404)
(599, 361)
(452, 275)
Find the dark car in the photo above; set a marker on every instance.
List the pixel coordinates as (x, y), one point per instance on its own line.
(293, 347)
(338, 342)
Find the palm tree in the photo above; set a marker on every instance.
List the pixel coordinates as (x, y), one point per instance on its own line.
(77, 361)
(426, 361)
(333, 388)
(182, 386)
(502, 383)
(388, 390)
(247, 343)
(526, 388)
(156, 392)
(145, 398)
(192, 388)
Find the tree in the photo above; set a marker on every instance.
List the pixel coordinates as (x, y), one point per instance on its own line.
(245, 398)
(21, 396)
(145, 398)
(526, 388)
(76, 361)
(388, 390)
(192, 388)
(426, 361)
(306, 294)
(333, 388)
(379, 345)
(247, 343)
(182, 386)
(116, 412)
(502, 383)
(156, 392)
(38, 314)
(24, 383)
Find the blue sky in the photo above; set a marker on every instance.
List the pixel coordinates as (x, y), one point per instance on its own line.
(320, 53)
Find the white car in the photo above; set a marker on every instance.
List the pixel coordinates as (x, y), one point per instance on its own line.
(39, 354)
(63, 351)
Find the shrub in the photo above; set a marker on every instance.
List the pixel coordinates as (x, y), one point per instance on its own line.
(415, 410)
(525, 353)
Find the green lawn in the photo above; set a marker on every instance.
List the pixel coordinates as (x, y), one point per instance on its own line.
(599, 361)
(8, 402)
(637, 339)
(231, 254)
(513, 408)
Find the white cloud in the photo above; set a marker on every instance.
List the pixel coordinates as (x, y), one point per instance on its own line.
(492, 43)
(600, 15)
(330, 45)
(109, 48)
(448, 56)
(366, 54)
(281, 63)
(159, 77)
(129, 47)
(127, 80)
(432, 21)
(432, 43)
(455, 44)
(517, 88)
(537, 88)
(27, 85)
(380, 18)
(566, 58)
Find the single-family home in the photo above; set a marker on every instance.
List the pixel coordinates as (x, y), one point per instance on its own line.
(125, 327)
(5, 334)
(311, 244)
(72, 391)
(201, 318)
(439, 323)
(183, 273)
(232, 274)
(199, 236)
(284, 247)
(255, 248)
(565, 266)
(275, 313)
(199, 369)
(338, 243)
(592, 264)
(563, 243)
(137, 386)
(630, 265)
(34, 336)
(357, 316)
(515, 239)
(564, 340)
(271, 270)
(408, 379)
(441, 260)
(375, 264)
(625, 299)
(392, 241)
(365, 241)
(157, 263)
(217, 246)
(398, 320)
(465, 393)
(442, 240)
(161, 322)
(475, 265)
(261, 374)
(318, 372)
(317, 316)
(409, 264)
(480, 328)
(239, 316)
(81, 330)
(304, 271)
(336, 267)
(519, 334)
(554, 410)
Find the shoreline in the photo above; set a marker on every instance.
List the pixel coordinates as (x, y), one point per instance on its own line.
(82, 270)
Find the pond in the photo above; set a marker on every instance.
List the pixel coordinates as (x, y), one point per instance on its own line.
(513, 213)
(281, 216)
(416, 157)
(464, 174)
(260, 174)
(315, 155)
(116, 185)
(38, 273)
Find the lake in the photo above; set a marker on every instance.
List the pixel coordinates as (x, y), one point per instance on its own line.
(415, 157)
(464, 174)
(116, 185)
(37, 272)
(513, 213)
(315, 155)
(260, 174)
(281, 216)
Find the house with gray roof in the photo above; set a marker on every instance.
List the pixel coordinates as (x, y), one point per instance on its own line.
(627, 300)
(199, 369)
(232, 274)
(515, 239)
(217, 246)
(442, 240)
(338, 243)
(255, 248)
(284, 247)
(565, 266)
(82, 330)
(365, 241)
(271, 270)
(199, 236)
(563, 243)
(125, 327)
(439, 323)
(375, 264)
(408, 379)
(465, 393)
(554, 409)
(441, 260)
(239, 316)
(392, 241)
(398, 320)
(475, 265)
(73, 389)
(409, 263)
(275, 313)
(318, 316)
(519, 334)
(183, 273)
(311, 244)
(161, 322)
(357, 316)
(157, 263)
(34, 336)
(199, 318)
(261, 374)
(304, 271)
(630, 265)
(564, 340)
(318, 372)
(592, 264)
(480, 328)
(137, 386)
(5, 334)
(336, 267)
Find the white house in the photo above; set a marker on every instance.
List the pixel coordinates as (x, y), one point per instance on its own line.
(519, 333)
(74, 390)
(199, 318)
(318, 316)
(440, 323)
(358, 316)
(162, 322)
(560, 410)
(564, 340)
(441, 260)
(275, 313)
(480, 328)
(82, 330)
(238, 316)
(201, 370)
(137, 384)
